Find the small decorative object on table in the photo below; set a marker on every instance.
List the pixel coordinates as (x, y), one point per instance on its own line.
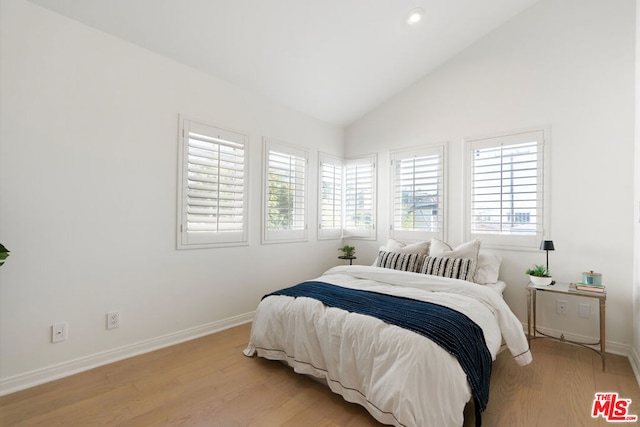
(539, 275)
(592, 278)
(591, 282)
(348, 252)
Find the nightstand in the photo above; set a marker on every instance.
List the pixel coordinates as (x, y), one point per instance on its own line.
(566, 289)
(350, 258)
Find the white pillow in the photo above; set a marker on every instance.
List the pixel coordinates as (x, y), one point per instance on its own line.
(488, 269)
(421, 248)
(394, 245)
(468, 250)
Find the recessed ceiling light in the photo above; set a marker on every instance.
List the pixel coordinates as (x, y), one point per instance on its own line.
(415, 16)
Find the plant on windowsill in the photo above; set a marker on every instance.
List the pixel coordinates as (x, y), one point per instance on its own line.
(539, 275)
(347, 251)
(4, 253)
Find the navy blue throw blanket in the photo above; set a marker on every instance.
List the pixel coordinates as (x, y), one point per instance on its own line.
(451, 330)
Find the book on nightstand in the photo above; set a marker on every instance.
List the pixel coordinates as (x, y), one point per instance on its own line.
(590, 288)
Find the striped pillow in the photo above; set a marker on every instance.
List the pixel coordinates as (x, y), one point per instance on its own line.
(455, 268)
(398, 261)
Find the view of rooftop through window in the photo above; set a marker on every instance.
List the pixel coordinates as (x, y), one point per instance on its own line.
(417, 193)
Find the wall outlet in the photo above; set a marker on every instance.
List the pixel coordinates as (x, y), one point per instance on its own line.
(584, 310)
(113, 319)
(59, 332)
(562, 307)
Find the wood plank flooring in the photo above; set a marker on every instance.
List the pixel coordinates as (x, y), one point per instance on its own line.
(208, 382)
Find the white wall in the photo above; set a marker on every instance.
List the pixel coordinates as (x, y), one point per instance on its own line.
(88, 166)
(568, 64)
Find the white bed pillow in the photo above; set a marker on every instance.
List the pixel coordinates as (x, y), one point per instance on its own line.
(394, 245)
(488, 269)
(469, 250)
(421, 248)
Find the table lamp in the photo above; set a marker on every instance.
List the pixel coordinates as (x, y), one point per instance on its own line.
(547, 245)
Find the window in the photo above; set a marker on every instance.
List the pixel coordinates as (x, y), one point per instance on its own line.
(330, 197)
(285, 213)
(359, 194)
(212, 187)
(347, 191)
(506, 189)
(417, 205)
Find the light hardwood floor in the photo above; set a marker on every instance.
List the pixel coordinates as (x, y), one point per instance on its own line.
(208, 382)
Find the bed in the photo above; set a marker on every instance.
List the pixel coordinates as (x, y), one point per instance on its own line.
(402, 377)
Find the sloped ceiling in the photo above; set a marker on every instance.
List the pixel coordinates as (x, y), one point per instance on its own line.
(334, 60)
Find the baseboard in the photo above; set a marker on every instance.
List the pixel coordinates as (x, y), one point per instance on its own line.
(610, 346)
(634, 359)
(65, 369)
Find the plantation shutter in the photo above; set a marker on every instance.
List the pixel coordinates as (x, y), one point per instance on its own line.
(286, 192)
(418, 193)
(360, 187)
(507, 188)
(331, 197)
(214, 196)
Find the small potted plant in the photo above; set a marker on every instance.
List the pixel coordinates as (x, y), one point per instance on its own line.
(4, 253)
(539, 275)
(347, 251)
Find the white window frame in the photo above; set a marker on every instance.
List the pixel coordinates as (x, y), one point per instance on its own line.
(189, 234)
(297, 234)
(437, 152)
(330, 196)
(364, 231)
(541, 135)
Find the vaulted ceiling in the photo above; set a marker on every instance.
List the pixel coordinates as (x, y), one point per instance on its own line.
(334, 60)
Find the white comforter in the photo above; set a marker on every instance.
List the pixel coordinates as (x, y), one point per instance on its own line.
(400, 377)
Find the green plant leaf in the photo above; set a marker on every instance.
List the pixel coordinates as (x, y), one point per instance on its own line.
(4, 253)
(538, 271)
